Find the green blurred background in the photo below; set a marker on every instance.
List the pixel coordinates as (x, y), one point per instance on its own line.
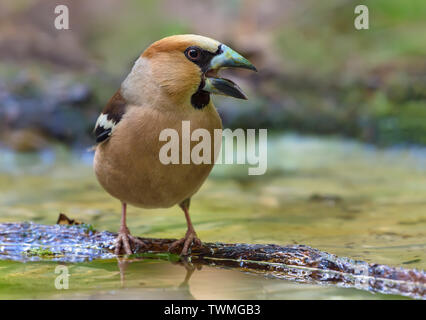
(318, 74)
(344, 109)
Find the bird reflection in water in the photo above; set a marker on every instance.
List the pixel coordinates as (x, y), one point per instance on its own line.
(183, 288)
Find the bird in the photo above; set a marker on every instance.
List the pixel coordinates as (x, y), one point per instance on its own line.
(170, 82)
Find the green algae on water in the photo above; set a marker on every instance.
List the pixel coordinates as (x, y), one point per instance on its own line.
(40, 252)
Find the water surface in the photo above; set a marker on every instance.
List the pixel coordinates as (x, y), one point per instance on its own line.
(338, 196)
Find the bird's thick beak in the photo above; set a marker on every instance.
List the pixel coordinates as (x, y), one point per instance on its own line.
(227, 58)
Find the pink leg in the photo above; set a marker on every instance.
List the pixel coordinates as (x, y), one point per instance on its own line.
(191, 237)
(124, 239)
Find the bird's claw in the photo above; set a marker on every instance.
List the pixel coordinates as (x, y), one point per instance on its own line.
(189, 240)
(125, 241)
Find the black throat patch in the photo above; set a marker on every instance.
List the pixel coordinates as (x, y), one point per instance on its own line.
(201, 98)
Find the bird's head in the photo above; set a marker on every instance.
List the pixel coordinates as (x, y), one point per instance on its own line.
(186, 67)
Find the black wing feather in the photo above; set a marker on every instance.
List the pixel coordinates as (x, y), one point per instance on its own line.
(102, 134)
(114, 111)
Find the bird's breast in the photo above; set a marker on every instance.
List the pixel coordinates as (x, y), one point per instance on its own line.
(129, 167)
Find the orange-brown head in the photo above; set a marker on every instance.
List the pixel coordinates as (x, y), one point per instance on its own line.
(184, 67)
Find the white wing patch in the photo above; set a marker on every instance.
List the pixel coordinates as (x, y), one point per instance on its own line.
(104, 122)
(110, 117)
(104, 127)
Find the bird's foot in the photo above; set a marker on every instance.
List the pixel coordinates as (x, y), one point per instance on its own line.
(187, 242)
(125, 242)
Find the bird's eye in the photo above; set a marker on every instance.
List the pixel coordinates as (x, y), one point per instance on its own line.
(193, 54)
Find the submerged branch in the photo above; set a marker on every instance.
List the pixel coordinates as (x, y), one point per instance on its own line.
(75, 243)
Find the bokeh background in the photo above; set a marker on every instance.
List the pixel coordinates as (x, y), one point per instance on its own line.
(345, 111)
(318, 74)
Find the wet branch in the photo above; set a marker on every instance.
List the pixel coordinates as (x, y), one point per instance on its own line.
(74, 243)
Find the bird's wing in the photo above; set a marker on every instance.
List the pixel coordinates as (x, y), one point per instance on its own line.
(110, 117)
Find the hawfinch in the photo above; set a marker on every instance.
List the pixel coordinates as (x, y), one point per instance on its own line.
(170, 82)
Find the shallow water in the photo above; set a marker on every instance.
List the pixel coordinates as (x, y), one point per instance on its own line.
(338, 196)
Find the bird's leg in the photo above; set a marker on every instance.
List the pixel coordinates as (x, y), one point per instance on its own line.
(190, 236)
(124, 239)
